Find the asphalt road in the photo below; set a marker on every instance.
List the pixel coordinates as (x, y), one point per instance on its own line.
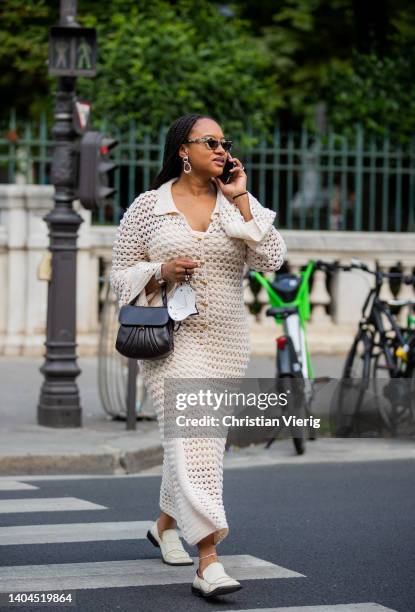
(331, 533)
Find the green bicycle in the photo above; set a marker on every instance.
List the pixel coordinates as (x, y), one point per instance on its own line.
(288, 295)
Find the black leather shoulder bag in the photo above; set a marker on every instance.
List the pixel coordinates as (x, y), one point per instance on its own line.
(146, 332)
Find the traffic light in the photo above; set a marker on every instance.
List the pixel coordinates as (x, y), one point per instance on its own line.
(95, 168)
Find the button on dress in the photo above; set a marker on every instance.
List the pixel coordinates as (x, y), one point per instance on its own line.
(214, 343)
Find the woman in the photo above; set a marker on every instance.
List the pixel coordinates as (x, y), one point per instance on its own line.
(192, 227)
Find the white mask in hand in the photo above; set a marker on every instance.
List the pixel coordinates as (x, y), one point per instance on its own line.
(182, 303)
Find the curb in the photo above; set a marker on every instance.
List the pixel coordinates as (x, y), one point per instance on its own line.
(116, 462)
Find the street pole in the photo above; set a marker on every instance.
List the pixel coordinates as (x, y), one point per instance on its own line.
(59, 403)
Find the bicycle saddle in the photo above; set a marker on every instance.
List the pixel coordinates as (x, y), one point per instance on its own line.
(286, 286)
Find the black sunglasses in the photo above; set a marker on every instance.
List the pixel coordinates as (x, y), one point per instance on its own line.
(212, 143)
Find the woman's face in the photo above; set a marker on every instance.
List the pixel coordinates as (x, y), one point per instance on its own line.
(204, 161)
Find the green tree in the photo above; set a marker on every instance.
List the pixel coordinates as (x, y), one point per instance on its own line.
(24, 83)
(303, 39)
(358, 57)
(158, 60)
(245, 60)
(378, 89)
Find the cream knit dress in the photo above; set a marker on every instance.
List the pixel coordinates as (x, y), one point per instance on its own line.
(214, 343)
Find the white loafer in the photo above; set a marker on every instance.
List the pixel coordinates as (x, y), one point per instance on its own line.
(215, 581)
(172, 551)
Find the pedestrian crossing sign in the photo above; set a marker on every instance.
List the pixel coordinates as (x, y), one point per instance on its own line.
(72, 51)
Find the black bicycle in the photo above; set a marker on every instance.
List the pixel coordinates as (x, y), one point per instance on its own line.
(370, 398)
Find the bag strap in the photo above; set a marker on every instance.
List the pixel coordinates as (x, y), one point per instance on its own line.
(163, 295)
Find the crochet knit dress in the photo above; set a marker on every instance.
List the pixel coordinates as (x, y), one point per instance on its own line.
(214, 343)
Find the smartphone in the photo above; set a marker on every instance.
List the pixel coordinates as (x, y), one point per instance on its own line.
(226, 174)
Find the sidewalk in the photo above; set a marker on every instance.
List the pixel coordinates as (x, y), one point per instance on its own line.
(101, 446)
(104, 446)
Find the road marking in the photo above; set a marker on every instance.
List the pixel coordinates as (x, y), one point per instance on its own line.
(42, 477)
(14, 485)
(352, 607)
(74, 532)
(46, 504)
(145, 572)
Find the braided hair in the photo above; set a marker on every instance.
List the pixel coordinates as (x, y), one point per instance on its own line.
(177, 134)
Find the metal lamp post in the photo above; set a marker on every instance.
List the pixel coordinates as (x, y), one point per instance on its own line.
(72, 52)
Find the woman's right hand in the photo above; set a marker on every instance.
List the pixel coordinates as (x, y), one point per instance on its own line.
(174, 270)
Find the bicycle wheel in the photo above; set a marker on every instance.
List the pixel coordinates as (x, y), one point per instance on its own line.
(380, 366)
(381, 375)
(348, 398)
(292, 384)
(395, 390)
(357, 364)
(411, 400)
(307, 407)
(299, 397)
(408, 414)
(299, 445)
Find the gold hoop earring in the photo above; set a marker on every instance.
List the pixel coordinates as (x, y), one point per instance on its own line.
(187, 168)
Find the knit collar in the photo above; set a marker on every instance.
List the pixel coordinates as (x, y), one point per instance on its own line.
(165, 203)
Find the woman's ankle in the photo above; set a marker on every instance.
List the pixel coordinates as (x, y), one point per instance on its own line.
(165, 524)
(203, 563)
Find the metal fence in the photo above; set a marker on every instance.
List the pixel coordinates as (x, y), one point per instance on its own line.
(313, 181)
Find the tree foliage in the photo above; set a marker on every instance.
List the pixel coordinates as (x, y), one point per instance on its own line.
(159, 60)
(378, 89)
(156, 61)
(24, 84)
(358, 58)
(243, 61)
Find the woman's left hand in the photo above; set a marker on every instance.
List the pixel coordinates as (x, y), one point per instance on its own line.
(237, 183)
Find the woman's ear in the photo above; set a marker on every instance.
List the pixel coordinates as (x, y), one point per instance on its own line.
(183, 150)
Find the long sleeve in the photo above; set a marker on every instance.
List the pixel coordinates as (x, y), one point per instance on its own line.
(131, 269)
(265, 247)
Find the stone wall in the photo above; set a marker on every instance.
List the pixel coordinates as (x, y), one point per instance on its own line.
(24, 258)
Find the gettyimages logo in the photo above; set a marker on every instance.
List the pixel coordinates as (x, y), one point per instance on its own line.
(210, 407)
(253, 410)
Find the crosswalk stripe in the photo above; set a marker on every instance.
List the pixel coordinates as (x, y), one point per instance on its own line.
(73, 532)
(47, 504)
(46, 477)
(352, 607)
(105, 574)
(14, 485)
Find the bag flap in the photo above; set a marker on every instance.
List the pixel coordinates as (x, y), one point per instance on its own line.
(143, 315)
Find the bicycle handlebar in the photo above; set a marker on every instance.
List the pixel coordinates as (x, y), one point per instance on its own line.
(332, 266)
(360, 265)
